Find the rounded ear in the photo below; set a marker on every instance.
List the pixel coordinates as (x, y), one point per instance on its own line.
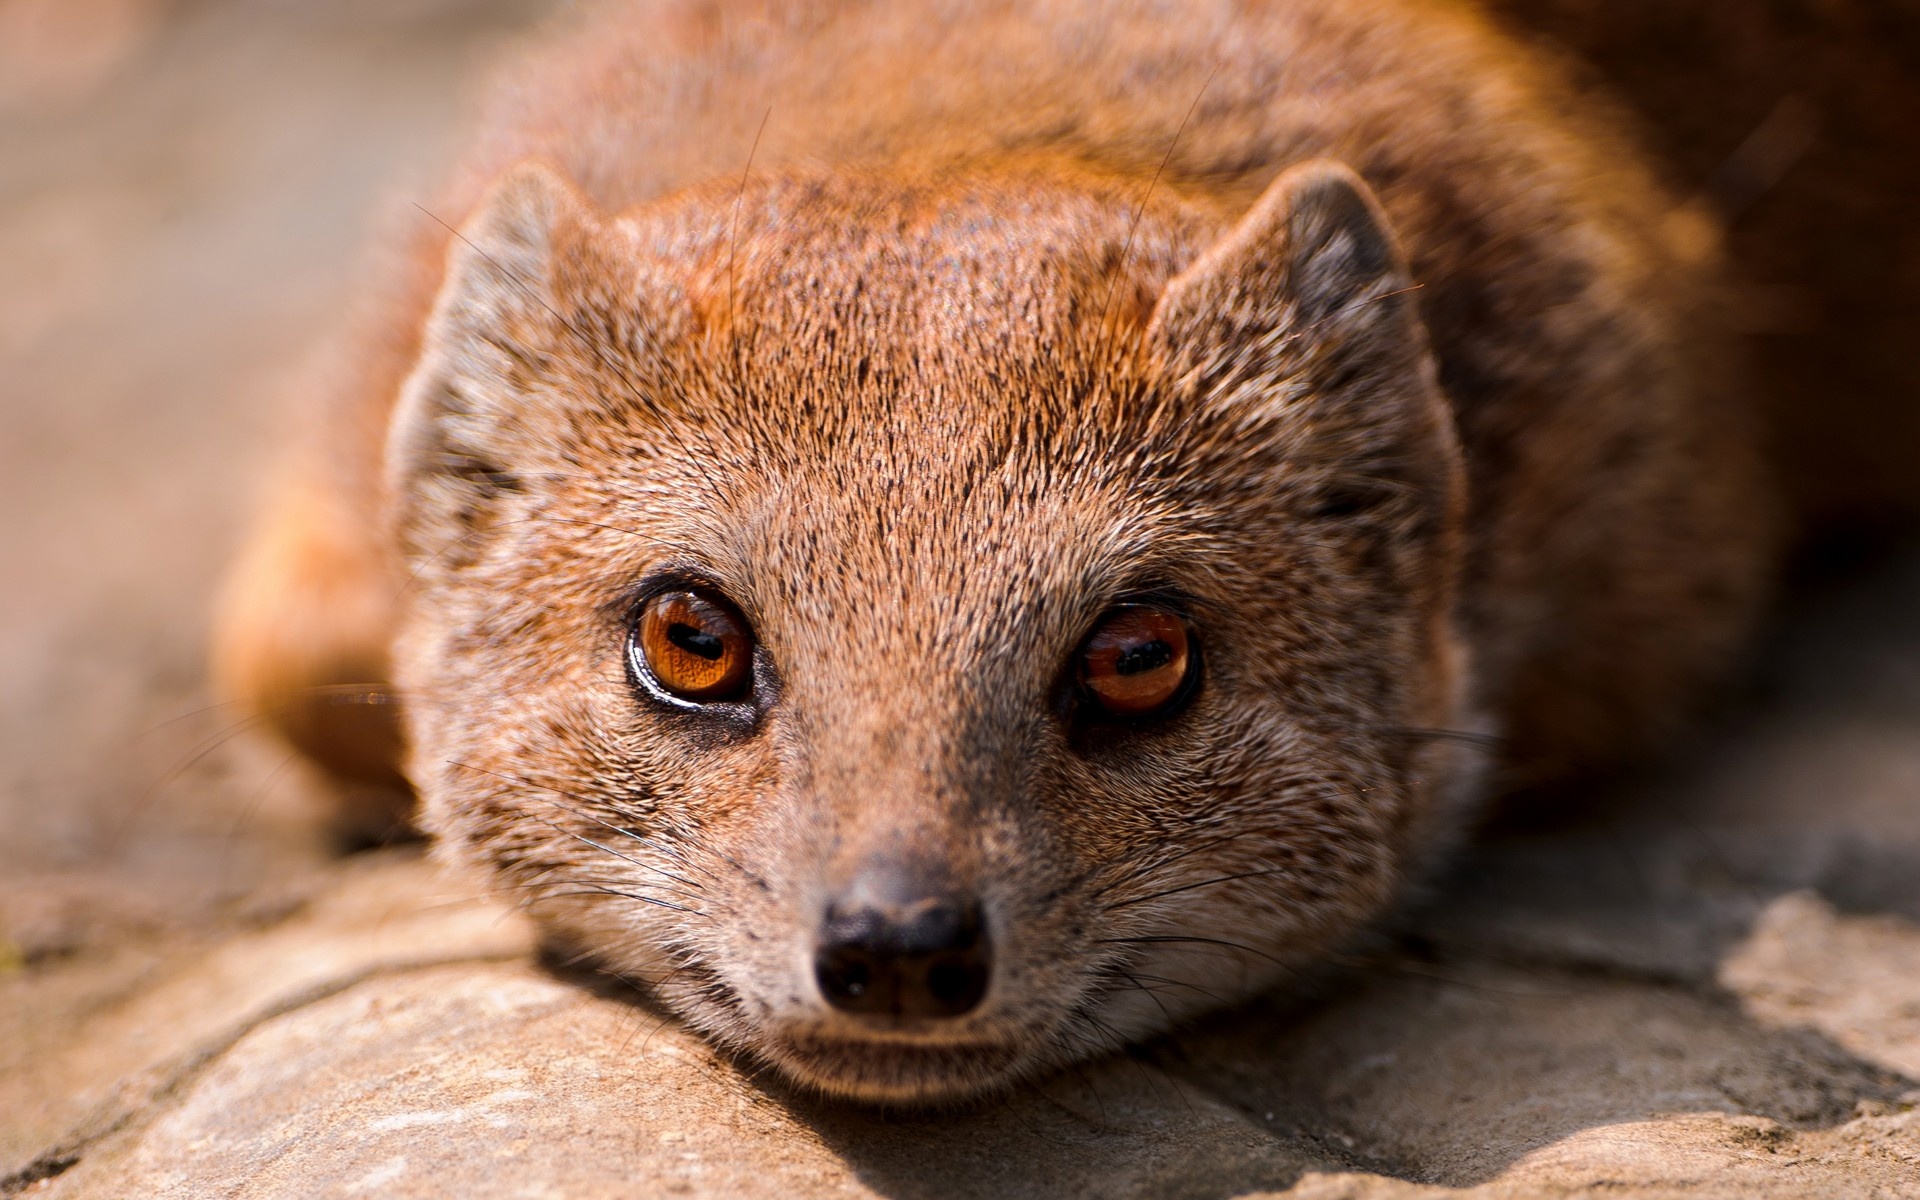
(1311, 262)
(451, 440)
(1300, 326)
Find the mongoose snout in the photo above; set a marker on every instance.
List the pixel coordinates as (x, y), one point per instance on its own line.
(902, 942)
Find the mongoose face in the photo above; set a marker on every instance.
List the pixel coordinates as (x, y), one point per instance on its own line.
(929, 630)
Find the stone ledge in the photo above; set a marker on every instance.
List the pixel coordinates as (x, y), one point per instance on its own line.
(385, 1041)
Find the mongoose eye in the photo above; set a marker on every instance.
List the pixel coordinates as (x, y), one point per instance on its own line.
(1138, 662)
(694, 645)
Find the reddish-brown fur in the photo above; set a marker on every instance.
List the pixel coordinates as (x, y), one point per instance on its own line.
(952, 368)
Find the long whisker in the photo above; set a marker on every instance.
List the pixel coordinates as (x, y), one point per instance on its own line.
(635, 896)
(195, 756)
(1165, 860)
(1179, 983)
(1146, 991)
(544, 877)
(608, 850)
(1168, 938)
(1486, 742)
(533, 786)
(1133, 227)
(546, 881)
(1110, 1040)
(733, 234)
(1188, 887)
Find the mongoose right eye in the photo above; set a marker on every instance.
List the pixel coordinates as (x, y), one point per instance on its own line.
(693, 646)
(1138, 662)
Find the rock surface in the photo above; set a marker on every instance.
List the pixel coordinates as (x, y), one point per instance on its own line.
(1705, 983)
(392, 1039)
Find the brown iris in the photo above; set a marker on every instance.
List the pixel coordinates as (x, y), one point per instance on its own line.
(696, 646)
(1137, 662)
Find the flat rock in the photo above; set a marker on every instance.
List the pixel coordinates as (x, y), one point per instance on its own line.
(395, 1039)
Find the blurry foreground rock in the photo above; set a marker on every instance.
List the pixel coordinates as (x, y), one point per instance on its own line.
(391, 1039)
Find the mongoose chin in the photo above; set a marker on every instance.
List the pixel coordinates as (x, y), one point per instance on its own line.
(1042, 549)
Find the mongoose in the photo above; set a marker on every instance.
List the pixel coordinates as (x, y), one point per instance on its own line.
(940, 536)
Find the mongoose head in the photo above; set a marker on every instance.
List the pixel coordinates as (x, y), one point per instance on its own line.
(931, 629)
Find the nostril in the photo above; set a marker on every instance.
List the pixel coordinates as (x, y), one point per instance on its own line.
(956, 985)
(846, 979)
(930, 958)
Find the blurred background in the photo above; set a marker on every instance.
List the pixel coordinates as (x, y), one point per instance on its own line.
(186, 190)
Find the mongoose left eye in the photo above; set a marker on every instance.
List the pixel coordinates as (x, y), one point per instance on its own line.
(694, 646)
(1138, 662)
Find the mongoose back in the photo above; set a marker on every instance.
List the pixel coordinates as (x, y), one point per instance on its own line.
(895, 524)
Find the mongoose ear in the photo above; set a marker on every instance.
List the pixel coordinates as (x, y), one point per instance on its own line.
(1302, 321)
(1310, 266)
(451, 438)
(504, 257)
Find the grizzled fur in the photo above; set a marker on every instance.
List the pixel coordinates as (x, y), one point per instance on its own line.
(1404, 385)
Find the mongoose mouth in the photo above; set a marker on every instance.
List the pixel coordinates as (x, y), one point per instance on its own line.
(885, 1070)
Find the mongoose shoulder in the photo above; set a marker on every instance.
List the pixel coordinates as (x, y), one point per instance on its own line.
(892, 523)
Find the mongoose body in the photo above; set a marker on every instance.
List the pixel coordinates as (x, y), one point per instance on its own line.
(938, 536)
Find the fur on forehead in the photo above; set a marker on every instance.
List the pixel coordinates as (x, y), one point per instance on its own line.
(911, 335)
(973, 312)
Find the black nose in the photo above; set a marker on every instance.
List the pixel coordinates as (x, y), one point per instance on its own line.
(923, 956)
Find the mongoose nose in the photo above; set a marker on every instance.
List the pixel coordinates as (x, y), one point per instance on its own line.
(927, 956)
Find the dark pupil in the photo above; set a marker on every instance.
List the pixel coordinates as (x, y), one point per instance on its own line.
(696, 641)
(1147, 656)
